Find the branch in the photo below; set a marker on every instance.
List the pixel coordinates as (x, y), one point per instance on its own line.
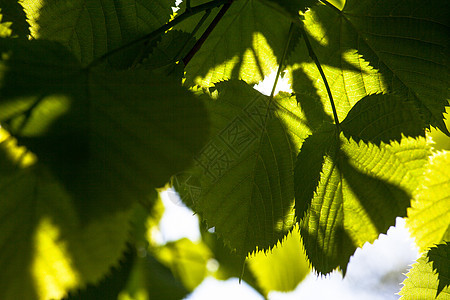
(154, 34)
(322, 74)
(207, 32)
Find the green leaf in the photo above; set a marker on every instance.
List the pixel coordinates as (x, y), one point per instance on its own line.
(13, 19)
(382, 118)
(42, 241)
(100, 144)
(292, 7)
(429, 277)
(110, 286)
(429, 216)
(186, 260)
(284, 267)
(360, 191)
(244, 45)
(92, 28)
(242, 180)
(153, 280)
(371, 48)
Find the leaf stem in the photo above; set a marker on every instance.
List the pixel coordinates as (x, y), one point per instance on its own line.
(207, 32)
(154, 34)
(322, 74)
(197, 27)
(280, 66)
(331, 6)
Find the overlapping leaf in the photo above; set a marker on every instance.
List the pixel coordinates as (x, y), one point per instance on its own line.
(245, 45)
(357, 189)
(371, 48)
(429, 277)
(242, 182)
(110, 137)
(103, 141)
(92, 28)
(429, 216)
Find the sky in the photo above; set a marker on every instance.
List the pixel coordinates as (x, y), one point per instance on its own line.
(374, 273)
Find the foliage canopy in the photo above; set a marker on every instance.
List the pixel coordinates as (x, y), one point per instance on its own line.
(105, 103)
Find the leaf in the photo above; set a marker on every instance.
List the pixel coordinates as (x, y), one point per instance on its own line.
(429, 215)
(242, 180)
(360, 191)
(102, 141)
(150, 279)
(284, 267)
(100, 144)
(244, 45)
(291, 7)
(92, 28)
(42, 241)
(13, 18)
(382, 118)
(429, 277)
(371, 48)
(110, 286)
(186, 260)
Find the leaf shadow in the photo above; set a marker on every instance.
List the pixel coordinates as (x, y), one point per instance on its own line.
(439, 258)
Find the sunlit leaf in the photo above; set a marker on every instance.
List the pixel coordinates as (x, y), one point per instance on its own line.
(372, 48)
(429, 216)
(429, 277)
(245, 45)
(360, 190)
(283, 268)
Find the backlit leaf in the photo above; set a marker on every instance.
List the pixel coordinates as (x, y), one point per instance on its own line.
(242, 181)
(244, 45)
(429, 215)
(371, 48)
(429, 277)
(283, 268)
(361, 189)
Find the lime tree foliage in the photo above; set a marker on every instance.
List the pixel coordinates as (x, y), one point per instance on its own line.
(104, 104)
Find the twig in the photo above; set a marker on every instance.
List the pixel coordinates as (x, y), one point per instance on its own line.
(154, 34)
(322, 74)
(207, 32)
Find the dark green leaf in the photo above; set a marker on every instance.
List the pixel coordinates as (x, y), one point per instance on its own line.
(13, 18)
(92, 28)
(382, 118)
